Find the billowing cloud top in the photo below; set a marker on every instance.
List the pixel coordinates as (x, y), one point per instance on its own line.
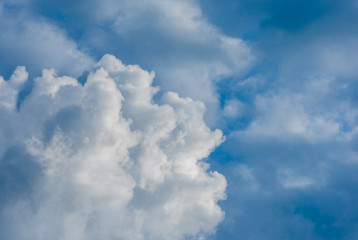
(102, 160)
(188, 53)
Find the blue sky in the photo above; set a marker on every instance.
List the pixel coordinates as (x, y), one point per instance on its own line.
(278, 78)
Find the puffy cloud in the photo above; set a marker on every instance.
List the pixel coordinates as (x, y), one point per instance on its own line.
(105, 161)
(173, 37)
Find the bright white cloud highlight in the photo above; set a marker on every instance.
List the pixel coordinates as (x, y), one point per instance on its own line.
(116, 165)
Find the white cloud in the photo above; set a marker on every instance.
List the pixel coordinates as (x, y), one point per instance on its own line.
(32, 41)
(173, 37)
(285, 115)
(312, 111)
(115, 164)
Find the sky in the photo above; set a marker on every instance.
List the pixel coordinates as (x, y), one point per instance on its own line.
(168, 119)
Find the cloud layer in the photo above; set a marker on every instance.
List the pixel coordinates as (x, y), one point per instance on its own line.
(103, 160)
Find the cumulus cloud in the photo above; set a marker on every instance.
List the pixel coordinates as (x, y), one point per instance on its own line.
(105, 160)
(173, 37)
